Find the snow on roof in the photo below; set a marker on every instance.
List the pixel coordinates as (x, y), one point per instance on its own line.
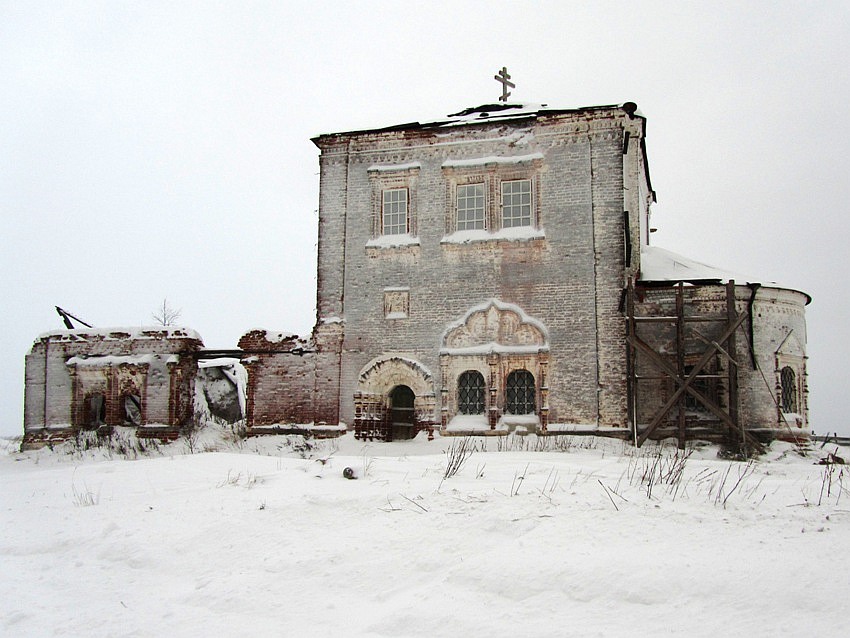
(658, 265)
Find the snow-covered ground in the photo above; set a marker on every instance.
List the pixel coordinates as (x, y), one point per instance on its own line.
(586, 537)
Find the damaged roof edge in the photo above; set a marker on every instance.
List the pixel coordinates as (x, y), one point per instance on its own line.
(500, 112)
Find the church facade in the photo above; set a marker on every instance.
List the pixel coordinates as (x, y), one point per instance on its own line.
(483, 274)
(492, 272)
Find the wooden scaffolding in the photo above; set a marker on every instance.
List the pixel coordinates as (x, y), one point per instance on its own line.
(667, 366)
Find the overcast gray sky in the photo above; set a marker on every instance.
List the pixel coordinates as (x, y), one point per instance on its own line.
(162, 149)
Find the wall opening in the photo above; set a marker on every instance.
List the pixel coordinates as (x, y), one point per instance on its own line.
(401, 413)
(132, 409)
(96, 410)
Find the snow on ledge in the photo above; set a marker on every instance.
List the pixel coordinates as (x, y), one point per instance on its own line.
(492, 159)
(495, 348)
(117, 360)
(221, 362)
(513, 421)
(275, 336)
(567, 428)
(283, 428)
(468, 423)
(392, 241)
(389, 168)
(516, 233)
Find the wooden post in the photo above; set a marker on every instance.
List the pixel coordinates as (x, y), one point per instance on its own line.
(680, 357)
(631, 380)
(732, 360)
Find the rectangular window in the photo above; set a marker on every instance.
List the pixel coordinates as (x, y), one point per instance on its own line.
(470, 207)
(394, 212)
(516, 203)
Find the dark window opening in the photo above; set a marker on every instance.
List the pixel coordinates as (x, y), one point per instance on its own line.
(470, 393)
(789, 390)
(520, 393)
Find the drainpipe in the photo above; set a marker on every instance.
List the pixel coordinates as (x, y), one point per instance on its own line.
(753, 289)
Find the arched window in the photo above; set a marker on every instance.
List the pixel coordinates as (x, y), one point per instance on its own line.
(470, 393)
(789, 390)
(519, 393)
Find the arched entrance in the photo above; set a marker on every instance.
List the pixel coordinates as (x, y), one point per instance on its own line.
(401, 414)
(394, 399)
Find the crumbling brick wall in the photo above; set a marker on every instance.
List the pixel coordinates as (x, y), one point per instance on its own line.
(83, 378)
(292, 380)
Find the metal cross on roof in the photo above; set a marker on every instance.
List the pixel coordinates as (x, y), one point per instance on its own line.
(503, 77)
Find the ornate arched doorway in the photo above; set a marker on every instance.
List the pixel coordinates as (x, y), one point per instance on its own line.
(394, 399)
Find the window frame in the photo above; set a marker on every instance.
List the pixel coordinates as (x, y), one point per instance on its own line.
(389, 177)
(385, 213)
(791, 391)
(482, 218)
(531, 217)
(492, 174)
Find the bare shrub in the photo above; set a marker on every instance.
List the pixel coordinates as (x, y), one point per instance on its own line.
(457, 455)
(661, 468)
(83, 497)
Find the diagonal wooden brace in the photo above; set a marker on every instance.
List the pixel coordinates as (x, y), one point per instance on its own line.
(685, 386)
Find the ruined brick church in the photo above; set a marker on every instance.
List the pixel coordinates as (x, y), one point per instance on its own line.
(484, 273)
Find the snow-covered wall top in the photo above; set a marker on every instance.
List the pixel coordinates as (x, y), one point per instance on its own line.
(117, 360)
(122, 334)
